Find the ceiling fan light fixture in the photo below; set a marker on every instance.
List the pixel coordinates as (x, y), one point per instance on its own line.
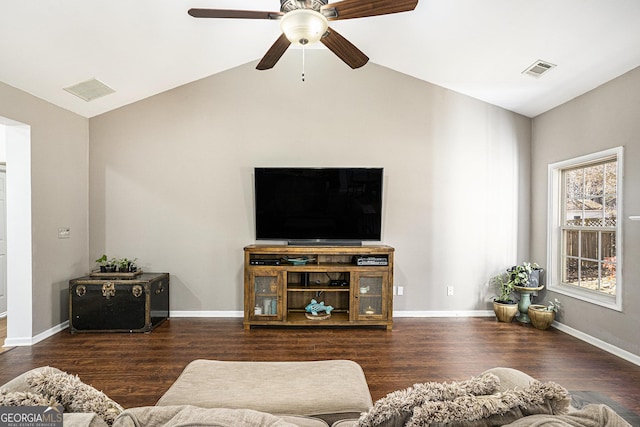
(304, 26)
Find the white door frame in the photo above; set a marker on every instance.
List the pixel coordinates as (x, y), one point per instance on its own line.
(19, 236)
(3, 239)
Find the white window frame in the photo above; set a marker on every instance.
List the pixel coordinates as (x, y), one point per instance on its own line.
(554, 232)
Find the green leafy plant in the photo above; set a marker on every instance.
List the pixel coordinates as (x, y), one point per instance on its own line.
(106, 265)
(505, 289)
(519, 274)
(102, 260)
(125, 264)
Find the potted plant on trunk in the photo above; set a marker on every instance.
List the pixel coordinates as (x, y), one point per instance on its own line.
(504, 306)
(106, 265)
(543, 315)
(126, 265)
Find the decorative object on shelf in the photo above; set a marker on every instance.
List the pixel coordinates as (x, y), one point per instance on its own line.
(266, 306)
(504, 306)
(257, 310)
(314, 307)
(542, 316)
(298, 261)
(323, 316)
(369, 311)
(365, 289)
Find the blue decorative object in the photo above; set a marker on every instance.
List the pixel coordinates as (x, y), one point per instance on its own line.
(314, 307)
(298, 261)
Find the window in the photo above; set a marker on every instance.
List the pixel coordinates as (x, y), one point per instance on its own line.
(584, 228)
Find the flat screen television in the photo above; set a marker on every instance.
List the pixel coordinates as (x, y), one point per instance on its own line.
(306, 205)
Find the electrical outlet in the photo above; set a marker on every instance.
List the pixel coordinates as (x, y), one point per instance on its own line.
(400, 290)
(449, 291)
(64, 232)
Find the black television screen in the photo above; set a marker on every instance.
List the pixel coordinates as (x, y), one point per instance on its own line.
(318, 204)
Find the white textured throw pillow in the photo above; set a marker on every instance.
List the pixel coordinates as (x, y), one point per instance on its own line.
(474, 402)
(397, 407)
(73, 394)
(25, 398)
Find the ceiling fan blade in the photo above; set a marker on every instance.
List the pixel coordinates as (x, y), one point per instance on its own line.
(229, 13)
(347, 9)
(274, 53)
(344, 49)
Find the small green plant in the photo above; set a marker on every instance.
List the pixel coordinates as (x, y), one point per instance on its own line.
(505, 289)
(125, 264)
(106, 265)
(554, 305)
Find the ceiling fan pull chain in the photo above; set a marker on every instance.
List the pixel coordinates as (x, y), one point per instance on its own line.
(302, 62)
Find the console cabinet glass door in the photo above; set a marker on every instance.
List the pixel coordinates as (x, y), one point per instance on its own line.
(266, 288)
(371, 295)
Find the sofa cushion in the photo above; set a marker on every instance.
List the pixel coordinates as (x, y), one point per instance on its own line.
(82, 419)
(593, 415)
(481, 401)
(297, 388)
(185, 415)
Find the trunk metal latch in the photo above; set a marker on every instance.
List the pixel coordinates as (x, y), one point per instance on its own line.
(109, 290)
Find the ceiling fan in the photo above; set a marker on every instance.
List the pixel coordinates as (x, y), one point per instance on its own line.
(306, 21)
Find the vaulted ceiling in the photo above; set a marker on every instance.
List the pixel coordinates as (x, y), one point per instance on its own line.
(476, 47)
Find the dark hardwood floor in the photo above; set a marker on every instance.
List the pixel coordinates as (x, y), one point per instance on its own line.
(136, 369)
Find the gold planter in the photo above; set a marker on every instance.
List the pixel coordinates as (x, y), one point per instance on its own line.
(505, 312)
(541, 318)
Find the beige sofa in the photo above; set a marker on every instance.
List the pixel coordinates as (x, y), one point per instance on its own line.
(315, 394)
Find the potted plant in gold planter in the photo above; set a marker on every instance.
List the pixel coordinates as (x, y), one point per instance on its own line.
(543, 315)
(504, 306)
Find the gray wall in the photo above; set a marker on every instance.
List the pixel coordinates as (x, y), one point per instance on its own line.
(171, 176)
(603, 118)
(59, 190)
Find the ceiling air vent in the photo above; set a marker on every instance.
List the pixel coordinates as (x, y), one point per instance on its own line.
(90, 90)
(538, 68)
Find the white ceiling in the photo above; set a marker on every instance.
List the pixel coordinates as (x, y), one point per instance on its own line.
(476, 47)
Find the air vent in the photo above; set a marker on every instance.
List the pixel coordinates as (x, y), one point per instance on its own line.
(538, 68)
(90, 90)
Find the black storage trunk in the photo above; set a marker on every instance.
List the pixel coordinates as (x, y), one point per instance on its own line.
(104, 302)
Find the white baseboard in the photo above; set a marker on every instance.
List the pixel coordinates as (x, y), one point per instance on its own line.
(466, 313)
(623, 354)
(225, 313)
(28, 341)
